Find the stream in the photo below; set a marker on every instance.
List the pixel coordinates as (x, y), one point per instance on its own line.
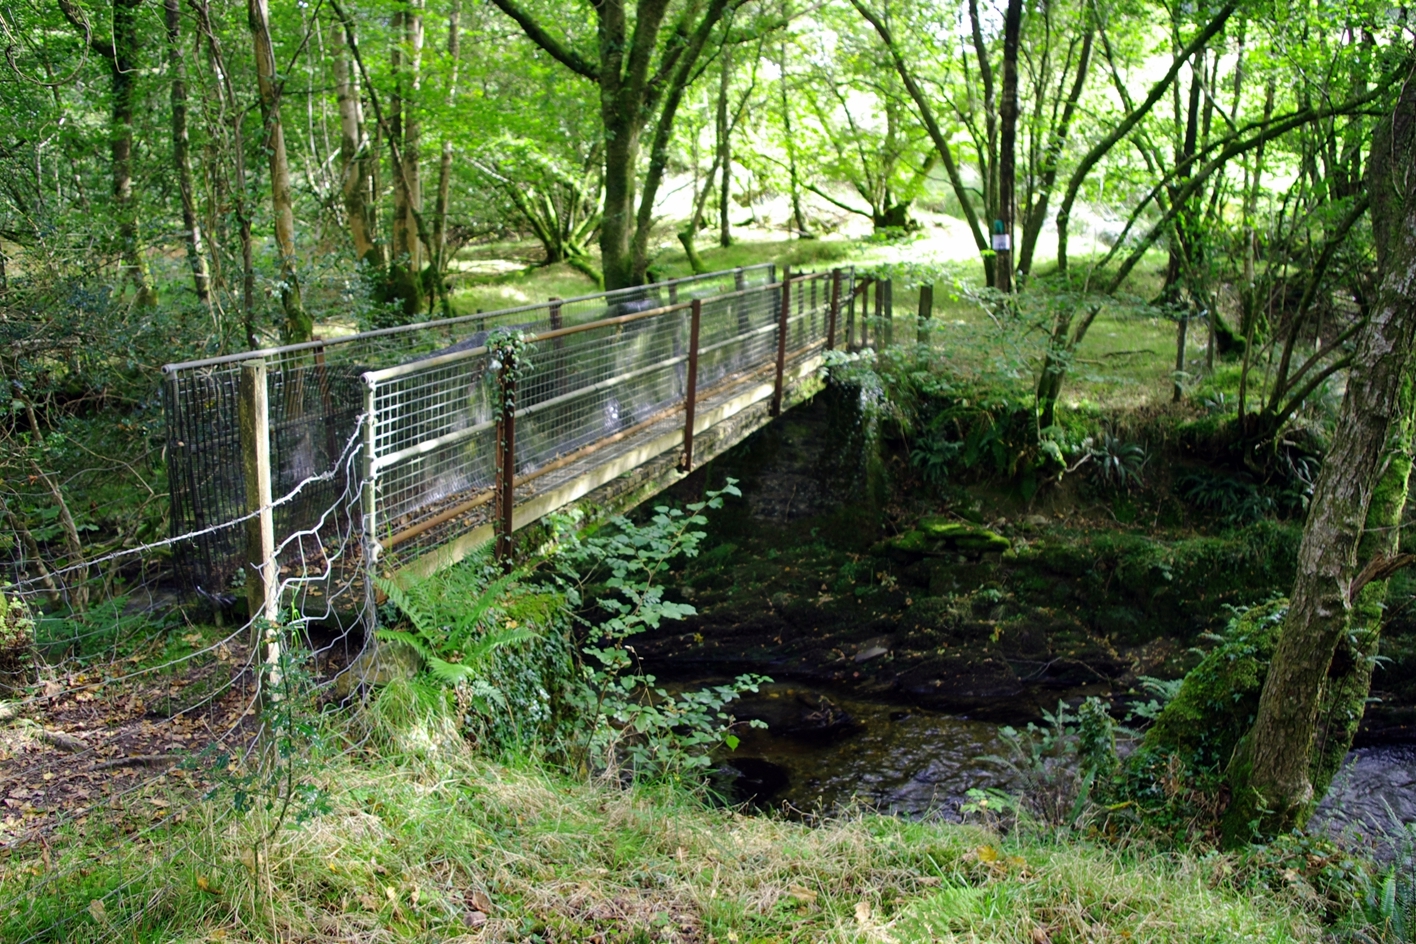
(905, 625)
(831, 754)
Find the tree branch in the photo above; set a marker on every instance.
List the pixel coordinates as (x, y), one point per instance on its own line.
(567, 57)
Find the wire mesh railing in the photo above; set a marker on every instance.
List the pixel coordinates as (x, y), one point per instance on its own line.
(315, 398)
(435, 443)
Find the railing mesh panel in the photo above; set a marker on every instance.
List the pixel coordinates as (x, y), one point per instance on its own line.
(581, 391)
(316, 398)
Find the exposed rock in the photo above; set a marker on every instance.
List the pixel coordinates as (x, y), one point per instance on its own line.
(937, 536)
(378, 665)
(752, 779)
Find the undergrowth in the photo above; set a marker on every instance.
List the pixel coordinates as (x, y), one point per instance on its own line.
(424, 838)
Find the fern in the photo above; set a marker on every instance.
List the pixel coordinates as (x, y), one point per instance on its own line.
(453, 619)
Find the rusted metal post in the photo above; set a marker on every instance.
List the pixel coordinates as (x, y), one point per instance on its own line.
(835, 309)
(865, 314)
(926, 312)
(851, 319)
(506, 463)
(741, 303)
(262, 576)
(879, 310)
(782, 339)
(889, 312)
(558, 346)
(690, 400)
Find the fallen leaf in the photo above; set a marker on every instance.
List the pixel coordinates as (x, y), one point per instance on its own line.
(805, 895)
(862, 912)
(480, 901)
(97, 911)
(473, 919)
(205, 885)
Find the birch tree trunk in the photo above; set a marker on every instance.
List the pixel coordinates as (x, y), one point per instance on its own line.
(355, 153)
(1271, 773)
(298, 326)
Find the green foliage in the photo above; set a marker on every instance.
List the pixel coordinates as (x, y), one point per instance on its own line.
(631, 721)
(509, 364)
(500, 643)
(1390, 899)
(16, 627)
(1116, 465)
(1174, 781)
(16, 644)
(1066, 765)
(454, 620)
(1215, 705)
(279, 779)
(108, 629)
(1339, 883)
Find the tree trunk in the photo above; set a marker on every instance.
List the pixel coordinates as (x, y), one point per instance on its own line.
(177, 73)
(936, 135)
(1349, 678)
(1270, 775)
(237, 147)
(1032, 226)
(404, 282)
(617, 227)
(438, 251)
(355, 153)
(725, 152)
(125, 69)
(1007, 152)
(798, 219)
(298, 326)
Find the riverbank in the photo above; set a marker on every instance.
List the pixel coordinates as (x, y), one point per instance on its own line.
(418, 837)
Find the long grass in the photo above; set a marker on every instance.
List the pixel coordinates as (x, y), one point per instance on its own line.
(426, 840)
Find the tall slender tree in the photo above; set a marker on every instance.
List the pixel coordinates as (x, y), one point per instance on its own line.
(1272, 774)
(121, 57)
(641, 77)
(298, 325)
(181, 147)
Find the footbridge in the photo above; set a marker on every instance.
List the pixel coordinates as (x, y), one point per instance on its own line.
(320, 465)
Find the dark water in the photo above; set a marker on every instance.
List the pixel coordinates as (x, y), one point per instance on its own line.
(823, 753)
(832, 754)
(1373, 799)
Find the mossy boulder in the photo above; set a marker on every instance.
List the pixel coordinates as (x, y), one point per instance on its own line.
(1217, 700)
(936, 536)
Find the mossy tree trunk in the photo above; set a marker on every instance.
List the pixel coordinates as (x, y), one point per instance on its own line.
(1349, 678)
(1272, 774)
